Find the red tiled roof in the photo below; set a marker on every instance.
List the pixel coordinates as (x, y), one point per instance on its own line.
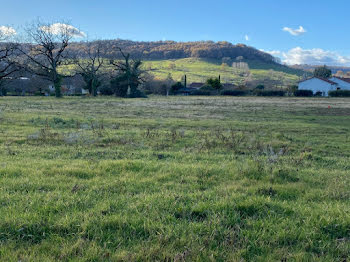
(343, 79)
(196, 85)
(323, 79)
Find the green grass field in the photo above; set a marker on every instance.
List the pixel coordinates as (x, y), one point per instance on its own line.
(174, 179)
(199, 70)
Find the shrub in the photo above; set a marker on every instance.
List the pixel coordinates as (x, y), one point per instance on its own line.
(214, 83)
(233, 93)
(106, 90)
(137, 94)
(200, 92)
(293, 88)
(270, 93)
(158, 87)
(339, 93)
(207, 88)
(38, 93)
(260, 87)
(177, 86)
(302, 92)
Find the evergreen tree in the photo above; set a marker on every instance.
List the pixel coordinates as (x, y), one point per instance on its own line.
(128, 78)
(323, 72)
(214, 83)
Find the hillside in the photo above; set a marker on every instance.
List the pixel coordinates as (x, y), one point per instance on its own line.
(177, 50)
(198, 70)
(199, 59)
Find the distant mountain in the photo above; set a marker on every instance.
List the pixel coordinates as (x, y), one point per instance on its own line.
(311, 68)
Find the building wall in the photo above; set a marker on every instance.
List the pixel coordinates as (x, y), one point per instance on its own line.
(342, 84)
(317, 85)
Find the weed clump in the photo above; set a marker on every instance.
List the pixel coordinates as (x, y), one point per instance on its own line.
(285, 175)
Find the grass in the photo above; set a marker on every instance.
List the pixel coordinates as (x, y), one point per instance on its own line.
(174, 179)
(199, 70)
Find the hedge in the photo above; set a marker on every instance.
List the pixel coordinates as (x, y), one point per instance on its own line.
(302, 92)
(200, 93)
(270, 93)
(233, 93)
(339, 93)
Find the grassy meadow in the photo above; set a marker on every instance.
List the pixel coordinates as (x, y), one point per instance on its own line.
(199, 70)
(174, 179)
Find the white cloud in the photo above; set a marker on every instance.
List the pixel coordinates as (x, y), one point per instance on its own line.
(314, 56)
(295, 32)
(7, 31)
(58, 28)
(246, 37)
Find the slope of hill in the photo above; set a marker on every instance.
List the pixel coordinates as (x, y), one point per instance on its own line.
(199, 61)
(198, 70)
(177, 50)
(216, 52)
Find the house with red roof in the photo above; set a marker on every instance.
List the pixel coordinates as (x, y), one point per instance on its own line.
(196, 85)
(343, 83)
(318, 85)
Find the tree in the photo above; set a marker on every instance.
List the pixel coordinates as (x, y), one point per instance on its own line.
(224, 66)
(293, 88)
(129, 76)
(8, 65)
(89, 68)
(176, 87)
(172, 66)
(184, 80)
(46, 50)
(214, 83)
(323, 72)
(339, 73)
(169, 82)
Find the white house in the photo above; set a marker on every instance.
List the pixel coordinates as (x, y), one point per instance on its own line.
(318, 84)
(343, 83)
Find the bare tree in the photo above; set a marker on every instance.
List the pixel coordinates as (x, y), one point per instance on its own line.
(8, 64)
(46, 50)
(169, 82)
(89, 68)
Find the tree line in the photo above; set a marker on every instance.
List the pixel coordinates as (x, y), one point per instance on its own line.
(46, 50)
(176, 50)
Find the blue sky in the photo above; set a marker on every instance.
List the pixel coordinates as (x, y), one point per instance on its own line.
(323, 38)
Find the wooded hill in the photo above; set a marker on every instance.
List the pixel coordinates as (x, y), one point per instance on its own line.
(177, 50)
(212, 52)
